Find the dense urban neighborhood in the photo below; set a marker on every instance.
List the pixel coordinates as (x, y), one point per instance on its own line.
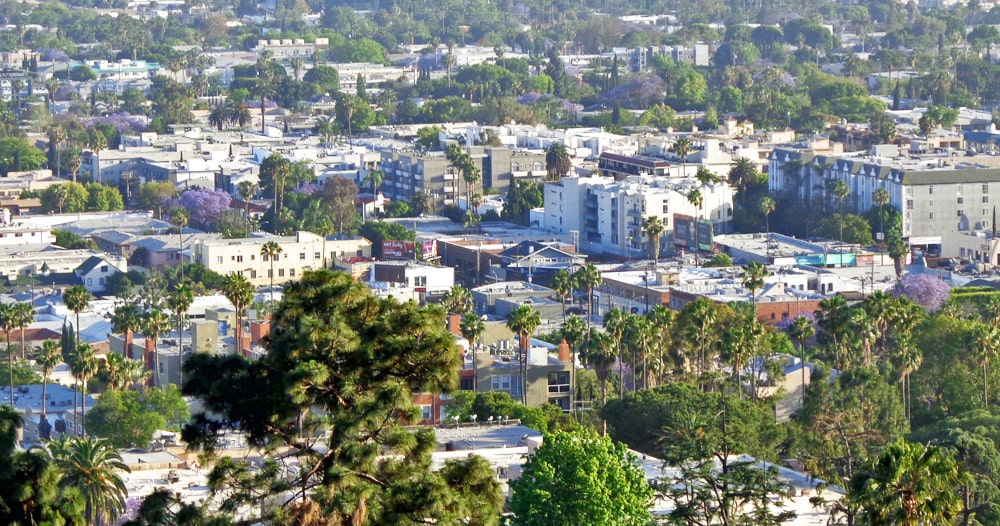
(318, 263)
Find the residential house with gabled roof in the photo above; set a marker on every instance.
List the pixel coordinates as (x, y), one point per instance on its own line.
(95, 272)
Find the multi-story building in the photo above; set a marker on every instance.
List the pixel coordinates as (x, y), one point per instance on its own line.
(544, 380)
(299, 253)
(8, 79)
(937, 194)
(408, 173)
(285, 49)
(609, 215)
(125, 70)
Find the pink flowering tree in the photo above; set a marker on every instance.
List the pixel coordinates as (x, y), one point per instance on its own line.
(925, 290)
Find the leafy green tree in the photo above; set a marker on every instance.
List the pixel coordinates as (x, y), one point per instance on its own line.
(908, 484)
(334, 346)
(103, 198)
(93, 467)
(129, 418)
(581, 478)
(521, 198)
(852, 229)
(17, 154)
(65, 197)
(154, 196)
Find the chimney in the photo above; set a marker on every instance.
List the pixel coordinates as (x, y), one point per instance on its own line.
(563, 351)
(455, 324)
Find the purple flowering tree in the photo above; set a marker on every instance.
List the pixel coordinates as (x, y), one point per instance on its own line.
(204, 206)
(924, 289)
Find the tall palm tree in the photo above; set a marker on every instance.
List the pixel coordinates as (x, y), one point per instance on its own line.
(601, 356)
(588, 278)
(472, 328)
(881, 197)
(562, 285)
(682, 148)
(47, 357)
(154, 323)
(766, 206)
(23, 315)
(986, 340)
(126, 319)
(179, 301)
(6, 322)
(574, 333)
(615, 324)
(654, 231)
(93, 467)
(239, 114)
(112, 369)
(908, 484)
(264, 87)
(77, 299)
(801, 330)
(98, 143)
(523, 321)
(753, 279)
(696, 199)
(239, 292)
(557, 161)
(246, 190)
(297, 65)
(219, 116)
(271, 251)
(179, 217)
(83, 367)
(841, 191)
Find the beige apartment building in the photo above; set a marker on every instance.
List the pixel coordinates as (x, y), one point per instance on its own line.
(299, 253)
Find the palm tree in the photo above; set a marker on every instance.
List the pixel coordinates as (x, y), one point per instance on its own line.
(47, 357)
(614, 325)
(57, 135)
(246, 190)
(472, 328)
(85, 366)
(682, 148)
(98, 142)
(239, 292)
(264, 88)
(766, 205)
(801, 330)
(113, 371)
(270, 251)
(696, 199)
(6, 321)
(588, 278)
(909, 484)
(986, 339)
(881, 197)
(744, 175)
(23, 314)
(841, 191)
(753, 279)
(557, 161)
(154, 323)
(458, 300)
(523, 321)
(601, 356)
(562, 285)
(240, 114)
(126, 320)
(77, 299)
(654, 231)
(574, 333)
(179, 301)
(297, 65)
(179, 217)
(92, 466)
(219, 116)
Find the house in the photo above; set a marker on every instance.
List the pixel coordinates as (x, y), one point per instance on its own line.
(544, 380)
(95, 272)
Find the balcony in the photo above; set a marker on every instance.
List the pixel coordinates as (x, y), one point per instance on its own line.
(558, 389)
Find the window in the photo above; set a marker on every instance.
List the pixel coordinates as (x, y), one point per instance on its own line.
(104, 268)
(101, 282)
(986, 199)
(90, 281)
(263, 257)
(909, 204)
(960, 213)
(420, 281)
(961, 200)
(317, 255)
(270, 273)
(986, 187)
(426, 412)
(467, 384)
(281, 272)
(239, 259)
(930, 203)
(291, 272)
(931, 215)
(302, 256)
(501, 382)
(930, 190)
(218, 259)
(253, 274)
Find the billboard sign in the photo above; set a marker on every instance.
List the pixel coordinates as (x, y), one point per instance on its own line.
(392, 248)
(684, 232)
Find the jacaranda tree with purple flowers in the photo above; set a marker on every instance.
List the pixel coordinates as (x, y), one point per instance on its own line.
(925, 290)
(204, 206)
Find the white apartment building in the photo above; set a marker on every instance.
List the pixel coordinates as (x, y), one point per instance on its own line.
(124, 70)
(609, 215)
(287, 48)
(299, 253)
(16, 234)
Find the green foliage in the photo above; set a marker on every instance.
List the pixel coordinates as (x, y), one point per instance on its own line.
(103, 198)
(200, 277)
(65, 198)
(522, 197)
(581, 478)
(17, 154)
(856, 229)
(639, 420)
(24, 373)
(379, 231)
(71, 240)
(719, 260)
(129, 418)
(546, 418)
(341, 364)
